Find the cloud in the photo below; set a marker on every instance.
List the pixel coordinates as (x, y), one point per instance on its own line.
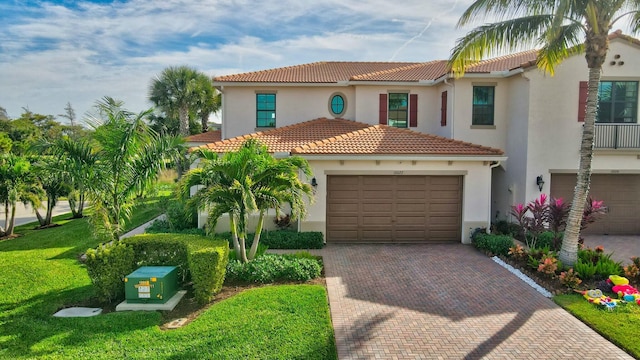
(54, 52)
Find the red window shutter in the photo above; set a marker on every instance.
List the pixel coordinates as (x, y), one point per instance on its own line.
(383, 109)
(413, 110)
(443, 109)
(582, 100)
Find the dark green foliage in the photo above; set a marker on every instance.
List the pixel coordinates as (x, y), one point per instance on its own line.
(107, 266)
(550, 240)
(164, 227)
(270, 268)
(283, 239)
(180, 216)
(504, 227)
(198, 258)
(586, 270)
(208, 267)
(160, 250)
(491, 243)
(262, 248)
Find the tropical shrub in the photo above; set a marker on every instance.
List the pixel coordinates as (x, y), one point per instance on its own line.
(632, 271)
(107, 266)
(283, 239)
(270, 268)
(548, 265)
(491, 243)
(544, 215)
(570, 279)
(585, 269)
(517, 252)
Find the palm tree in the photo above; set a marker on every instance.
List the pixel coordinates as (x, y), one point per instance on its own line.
(52, 181)
(563, 28)
(175, 92)
(76, 163)
(16, 184)
(209, 99)
(244, 183)
(128, 157)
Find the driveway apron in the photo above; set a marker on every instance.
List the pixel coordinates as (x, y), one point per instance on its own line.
(445, 302)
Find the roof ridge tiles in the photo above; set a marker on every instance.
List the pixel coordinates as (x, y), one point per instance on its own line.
(409, 66)
(264, 71)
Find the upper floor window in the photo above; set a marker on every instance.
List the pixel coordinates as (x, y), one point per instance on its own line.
(266, 110)
(483, 105)
(398, 110)
(337, 104)
(617, 102)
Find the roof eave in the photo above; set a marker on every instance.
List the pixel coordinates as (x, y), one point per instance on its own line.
(272, 83)
(403, 157)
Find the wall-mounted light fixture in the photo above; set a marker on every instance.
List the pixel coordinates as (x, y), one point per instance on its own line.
(540, 182)
(314, 183)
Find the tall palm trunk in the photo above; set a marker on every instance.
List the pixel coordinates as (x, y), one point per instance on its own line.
(183, 115)
(569, 250)
(12, 220)
(234, 235)
(256, 238)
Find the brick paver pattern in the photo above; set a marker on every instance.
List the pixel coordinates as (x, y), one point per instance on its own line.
(445, 302)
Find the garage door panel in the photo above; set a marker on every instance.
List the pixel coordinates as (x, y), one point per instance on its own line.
(377, 194)
(343, 195)
(411, 207)
(620, 193)
(394, 208)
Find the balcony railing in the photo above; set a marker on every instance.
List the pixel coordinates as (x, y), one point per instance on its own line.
(617, 136)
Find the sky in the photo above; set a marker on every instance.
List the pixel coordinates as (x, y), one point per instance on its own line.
(55, 52)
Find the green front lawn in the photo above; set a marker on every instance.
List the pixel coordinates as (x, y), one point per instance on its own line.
(41, 273)
(621, 325)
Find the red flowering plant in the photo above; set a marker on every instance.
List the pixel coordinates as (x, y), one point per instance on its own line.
(550, 214)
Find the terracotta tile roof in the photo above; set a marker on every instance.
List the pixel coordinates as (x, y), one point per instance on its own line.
(336, 71)
(505, 63)
(345, 137)
(414, 72)
(318, 72)
(206, 137)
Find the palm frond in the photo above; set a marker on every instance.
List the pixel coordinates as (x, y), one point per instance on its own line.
(498, 37)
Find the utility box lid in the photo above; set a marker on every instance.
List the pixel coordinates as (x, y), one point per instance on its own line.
(151, 284)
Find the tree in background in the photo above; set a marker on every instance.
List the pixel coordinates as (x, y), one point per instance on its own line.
(129, 155)
(244, 183)
(183, 94)
(75, 165)
(209, 100)
(48, 177)
(174, 91)
(562, 28)
(16, 185)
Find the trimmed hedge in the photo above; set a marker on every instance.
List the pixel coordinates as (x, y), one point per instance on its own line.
(270, 268)
(283, 239)
(198, 258)
(491, 243)
(107, 266)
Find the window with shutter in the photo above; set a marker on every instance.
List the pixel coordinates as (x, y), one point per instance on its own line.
(443, 109)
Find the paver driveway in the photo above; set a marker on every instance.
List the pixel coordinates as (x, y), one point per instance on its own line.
(445, 302)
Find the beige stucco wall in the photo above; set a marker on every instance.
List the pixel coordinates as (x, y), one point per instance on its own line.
(476, 186)
(293, 105)
(554, 132)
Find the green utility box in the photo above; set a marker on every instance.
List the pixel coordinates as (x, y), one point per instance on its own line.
(151, 284)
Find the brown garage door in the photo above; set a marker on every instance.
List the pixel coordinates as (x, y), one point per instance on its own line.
(394, 208)
(620, 193)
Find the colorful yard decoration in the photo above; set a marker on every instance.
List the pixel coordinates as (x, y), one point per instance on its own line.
(596, 296)
(624, 290)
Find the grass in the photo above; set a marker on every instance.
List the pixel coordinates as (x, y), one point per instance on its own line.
(41, 274)
(621, 326)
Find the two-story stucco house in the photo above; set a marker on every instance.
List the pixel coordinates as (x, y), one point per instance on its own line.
(405, 152)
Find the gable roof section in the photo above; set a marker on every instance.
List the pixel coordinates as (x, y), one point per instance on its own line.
(336, 71)
(344, 137)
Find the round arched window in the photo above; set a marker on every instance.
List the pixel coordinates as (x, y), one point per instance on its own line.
(337, 104)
